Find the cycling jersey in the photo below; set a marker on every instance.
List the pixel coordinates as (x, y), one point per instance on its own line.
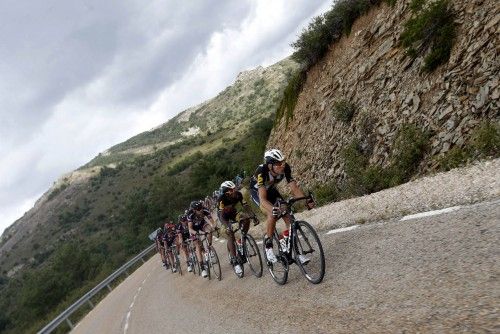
(264, 178)
(198, 221)
(226, 205)
(182, 229)
(169, 237)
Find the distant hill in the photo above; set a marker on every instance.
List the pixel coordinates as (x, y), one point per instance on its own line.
(99, 215)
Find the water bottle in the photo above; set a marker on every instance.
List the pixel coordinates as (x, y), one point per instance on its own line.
(239, 246)
(284, 241)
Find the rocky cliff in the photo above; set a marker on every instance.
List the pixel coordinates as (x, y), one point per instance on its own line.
(371, 71)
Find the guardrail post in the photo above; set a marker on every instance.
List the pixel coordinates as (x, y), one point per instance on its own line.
(69, 323)
(90, 303)
(109, 288)
(143, 260)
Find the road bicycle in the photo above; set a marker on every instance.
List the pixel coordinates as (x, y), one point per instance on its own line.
(246, 250)
(193, 260)
(209, 255)
(302, 240)
(177, 262)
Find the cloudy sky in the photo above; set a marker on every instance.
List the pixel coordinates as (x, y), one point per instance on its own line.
(80, 76)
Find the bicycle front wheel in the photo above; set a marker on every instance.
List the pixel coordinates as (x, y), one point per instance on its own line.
(214, 263)
(309, 254)
(278, 269)
(252, 255)
(178, 262)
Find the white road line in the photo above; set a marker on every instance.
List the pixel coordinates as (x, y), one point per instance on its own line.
(140, 288)
(344, 229)
(144, 281)
(126, 323)
(430, 213)
(132, 305)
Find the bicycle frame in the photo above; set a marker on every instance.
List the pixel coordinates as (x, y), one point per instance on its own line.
(291, 243)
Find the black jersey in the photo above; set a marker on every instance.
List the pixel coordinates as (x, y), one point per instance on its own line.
(226, 201)
(198, 221)
(263, 177)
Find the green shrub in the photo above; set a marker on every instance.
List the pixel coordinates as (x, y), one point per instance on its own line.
(362, 178)
(409, 149)
(328, 28)
(344, 111)
(290, 96)
(454, 158)
(431, 27)
(485, 140)
(57, 191)
(326, 193)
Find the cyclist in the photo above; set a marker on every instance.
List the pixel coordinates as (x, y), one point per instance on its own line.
(159, 246)
(265, 194)
(182, 231)
(200, 219)
(169, 236)
(227, 212)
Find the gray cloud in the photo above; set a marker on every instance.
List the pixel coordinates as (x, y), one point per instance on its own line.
(80, 76)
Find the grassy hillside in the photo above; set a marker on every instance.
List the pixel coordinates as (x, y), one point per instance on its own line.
(96, 218)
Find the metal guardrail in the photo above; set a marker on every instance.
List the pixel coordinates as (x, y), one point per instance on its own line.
(64, 316)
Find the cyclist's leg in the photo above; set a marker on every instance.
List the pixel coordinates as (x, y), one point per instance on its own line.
(207, 228)
(230, 240)
(197, 245)
(246, 225)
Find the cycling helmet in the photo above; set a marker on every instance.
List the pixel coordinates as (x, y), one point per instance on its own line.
(226, 185)
(169, 226)
(196, 205)
(273, 156)
(182, 218)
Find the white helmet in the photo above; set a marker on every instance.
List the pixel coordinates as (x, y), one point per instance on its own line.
(226, 185)
(273, 155)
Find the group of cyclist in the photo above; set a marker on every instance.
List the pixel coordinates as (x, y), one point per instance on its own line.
(198, 220)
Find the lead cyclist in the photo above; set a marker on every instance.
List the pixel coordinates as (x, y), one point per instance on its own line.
(264, 194)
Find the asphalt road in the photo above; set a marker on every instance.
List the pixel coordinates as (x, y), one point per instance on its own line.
(431, 274)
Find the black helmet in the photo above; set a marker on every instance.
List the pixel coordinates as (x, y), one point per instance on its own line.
(182, 218)
(196, 205)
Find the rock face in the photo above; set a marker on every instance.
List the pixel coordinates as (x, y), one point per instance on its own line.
(370, 69)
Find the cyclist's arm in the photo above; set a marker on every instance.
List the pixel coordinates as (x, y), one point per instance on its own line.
(296, 191)
(191, 230)
(211, 221)
(268, 206)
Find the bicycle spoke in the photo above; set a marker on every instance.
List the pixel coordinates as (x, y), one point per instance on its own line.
(252, 254)
(279, 269)
(308, 247)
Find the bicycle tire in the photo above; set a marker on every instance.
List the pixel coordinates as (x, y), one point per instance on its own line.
(215, 266)
(251, 250)
(178, 262)
(305, 235)
(194, 261)
(278, 270)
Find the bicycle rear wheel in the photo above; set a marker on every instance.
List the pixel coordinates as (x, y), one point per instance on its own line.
(307, 243)
(279, 269)
(252, 254)
(214, 263)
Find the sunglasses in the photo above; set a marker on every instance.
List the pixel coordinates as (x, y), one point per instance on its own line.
(279, 163)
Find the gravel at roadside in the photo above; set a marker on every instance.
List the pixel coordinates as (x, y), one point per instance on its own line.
(461, 186)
